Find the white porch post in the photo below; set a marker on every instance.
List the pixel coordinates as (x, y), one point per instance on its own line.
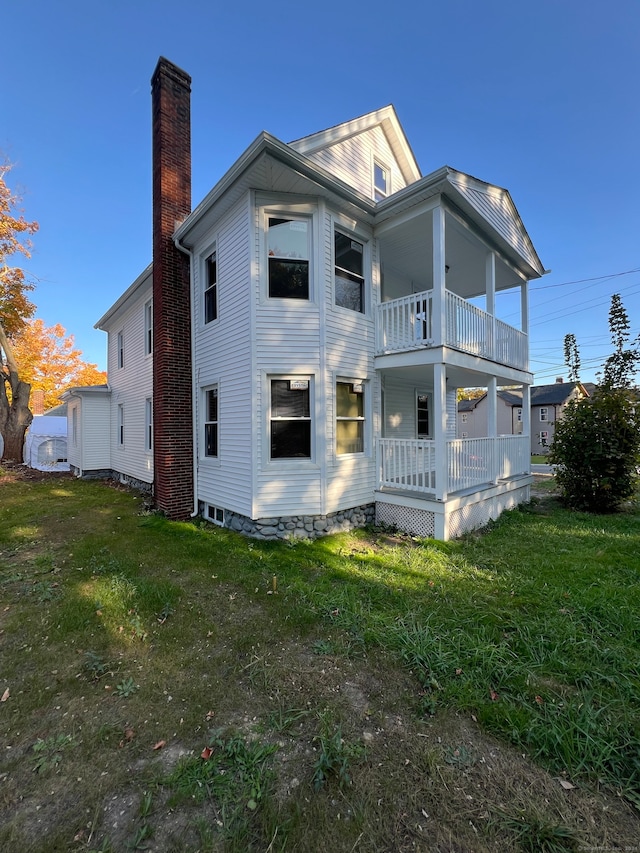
(492, 425)
(490, 279)
(526, 418)
(439, 297)
(524, 317)
(440, 430)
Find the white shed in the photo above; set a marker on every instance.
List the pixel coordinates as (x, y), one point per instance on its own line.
(45, 444)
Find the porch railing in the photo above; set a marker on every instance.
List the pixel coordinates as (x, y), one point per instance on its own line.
(408, 324)
(410, 464)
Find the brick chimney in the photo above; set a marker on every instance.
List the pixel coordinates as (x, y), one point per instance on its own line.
(172, 403)
(36, 403)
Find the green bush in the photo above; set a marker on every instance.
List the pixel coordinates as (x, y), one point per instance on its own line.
(596, 448)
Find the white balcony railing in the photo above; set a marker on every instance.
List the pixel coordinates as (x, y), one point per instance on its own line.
(408, 324)
(410, 464)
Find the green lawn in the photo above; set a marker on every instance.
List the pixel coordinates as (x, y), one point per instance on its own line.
(177, 687)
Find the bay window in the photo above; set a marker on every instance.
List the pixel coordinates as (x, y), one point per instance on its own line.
(289, 250)
(290, 419)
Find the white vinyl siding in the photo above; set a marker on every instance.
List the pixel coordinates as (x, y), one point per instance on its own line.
(132, 385)
(352, 160)
(223, 353)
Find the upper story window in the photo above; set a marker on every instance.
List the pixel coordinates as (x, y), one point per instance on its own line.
(121, 424)
(349, 272)
(519, 415)
(544, 413)
(148, 328)
(464, 417)
(380, 181)
(211, 289)
(289, 250)
(120, 349)
(290, 419)
(211, 422)
(349, 417)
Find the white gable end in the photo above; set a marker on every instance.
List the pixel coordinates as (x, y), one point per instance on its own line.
(348, 151)
(495, 205)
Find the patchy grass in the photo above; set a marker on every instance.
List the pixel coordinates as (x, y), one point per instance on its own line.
(161, 691)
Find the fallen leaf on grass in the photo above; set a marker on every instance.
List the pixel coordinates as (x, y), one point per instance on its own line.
(160, 744)
(494, 696)
(566, 785)
(5, 695)
(206, 753)
(539, 700)
(210, 715)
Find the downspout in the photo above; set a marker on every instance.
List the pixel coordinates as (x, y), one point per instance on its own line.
(194, 405)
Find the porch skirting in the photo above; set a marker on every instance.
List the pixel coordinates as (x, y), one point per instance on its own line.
(459, 514)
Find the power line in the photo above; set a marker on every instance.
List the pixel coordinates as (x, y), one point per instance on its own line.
(582, 280)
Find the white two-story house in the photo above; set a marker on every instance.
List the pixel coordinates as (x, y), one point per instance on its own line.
(303, 331)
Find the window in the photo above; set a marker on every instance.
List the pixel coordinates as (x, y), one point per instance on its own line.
(519, 415)
(289, 252)
(74, 426)
(211, 289)
(148, 328)
(349, 267)
(349, 417)
(544, 413)
(422, 415)
(148, 424)
(380, 182)
(120, 349)
(544, 438)
(290, 431)
(120, 424)
(464, 417)
(464, 435)
(215, 514)
(211, 422)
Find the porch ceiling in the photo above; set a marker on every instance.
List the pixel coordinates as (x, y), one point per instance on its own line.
(408, 249)
(457, 377)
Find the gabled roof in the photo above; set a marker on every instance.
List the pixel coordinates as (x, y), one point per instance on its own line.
(385, 118)
(469, 405)
(552, 395)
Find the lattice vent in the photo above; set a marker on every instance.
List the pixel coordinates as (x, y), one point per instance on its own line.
(418, 522)
(477, 515)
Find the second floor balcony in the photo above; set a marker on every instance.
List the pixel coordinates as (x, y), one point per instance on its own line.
(414, 322)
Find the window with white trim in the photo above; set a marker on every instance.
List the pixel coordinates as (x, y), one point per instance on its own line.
(544, 413)
(349, 272)
(380, 181)
(464, 435)
(148, 424)
(211, 289)
(290, 419)
(215, 514)
(120, 424)
(350, 418)
(74, 426)
(120, 349)
(544, 438)
(289, 251)
(519, 415)
(464, 417)
(422, 415)
(148, 328)
(211, 422)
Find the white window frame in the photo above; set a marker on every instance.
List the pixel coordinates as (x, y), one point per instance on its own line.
(337, 229)
(464, 417)
(148, 328)
(302, 211)
(519, 415)
(543, 438)
(464, 435)
(148, 424)
(377, 193)
(210, 290)
(361, 419)
(74, 426)
(214, 514)
(544, 414)
(207, 421)
(120, 432)
(290, 461)
(429, 397)
(120, 350)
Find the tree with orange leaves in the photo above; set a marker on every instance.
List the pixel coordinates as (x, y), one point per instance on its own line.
(15, 309)
(50, 362)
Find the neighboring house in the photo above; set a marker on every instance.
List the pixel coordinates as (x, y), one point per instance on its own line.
(547, 406)
(289, 364)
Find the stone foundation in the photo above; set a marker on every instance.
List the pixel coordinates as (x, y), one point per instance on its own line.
(301, 526)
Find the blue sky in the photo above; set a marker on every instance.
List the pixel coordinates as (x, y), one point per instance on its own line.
(540, 98)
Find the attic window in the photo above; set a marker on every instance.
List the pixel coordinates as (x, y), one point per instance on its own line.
(380, 181)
